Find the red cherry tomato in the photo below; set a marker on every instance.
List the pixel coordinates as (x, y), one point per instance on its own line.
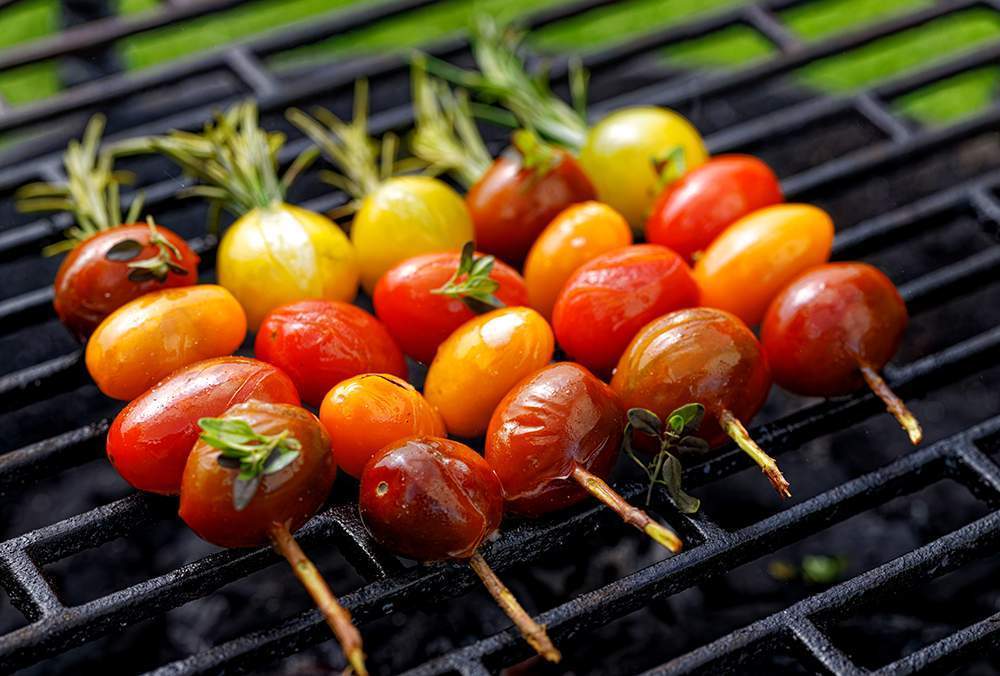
(606, 301)
(694, 210)
(430, 499)
(319, 343)
(150, 439)
(289, 496)
(828, 322)
(554, 421)
(89, 285)
(511, 204)
(420, 320)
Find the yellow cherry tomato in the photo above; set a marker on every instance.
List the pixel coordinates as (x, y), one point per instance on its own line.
(623, 151)
(578, 234)
(757, 256)
(364, 413)
(481, 361)
(281, 254)
(405, 217)
(152, 336)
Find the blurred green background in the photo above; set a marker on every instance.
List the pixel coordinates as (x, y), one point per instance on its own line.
(944, 102)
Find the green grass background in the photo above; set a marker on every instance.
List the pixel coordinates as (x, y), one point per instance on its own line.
(733, 47)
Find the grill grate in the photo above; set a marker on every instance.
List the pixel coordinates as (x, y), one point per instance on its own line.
(54, 627)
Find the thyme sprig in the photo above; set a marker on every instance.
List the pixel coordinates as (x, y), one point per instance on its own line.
(471, 283)
(254, 455)
(445, 134)
(91, 192)
(363, 162)
(503, 78)
(166, 260)
(675, 437)
(233, 158)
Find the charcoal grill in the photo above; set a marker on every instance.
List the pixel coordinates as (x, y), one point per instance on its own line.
(921, 200)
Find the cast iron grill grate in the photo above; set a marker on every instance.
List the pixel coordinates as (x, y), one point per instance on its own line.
(871, 177)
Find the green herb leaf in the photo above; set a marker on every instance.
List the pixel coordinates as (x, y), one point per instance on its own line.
(253, 455)
(673, 474)
(820, 569)
(665, 468)
(688, 416)
(125, 250)
(471, 283)
(644, 421)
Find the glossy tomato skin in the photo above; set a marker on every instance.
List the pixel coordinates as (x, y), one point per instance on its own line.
(405, 217)
(291, 495)
(152, 336)
(319, 343)
(150, 439)
(827, 322)
(89, 287)
(275, 255)
(606, 301)
(553, 421)
(699, 355)
(430, 499)
(364, 413)
(577, 235)
(691, 212)
(419, 320)
(756, 257)
(481, 361)
(620, 152)
(511, 204)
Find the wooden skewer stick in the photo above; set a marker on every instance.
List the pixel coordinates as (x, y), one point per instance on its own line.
(336, 615)
(893, 403)
(738, 433)
(629, 513)
(532, 632)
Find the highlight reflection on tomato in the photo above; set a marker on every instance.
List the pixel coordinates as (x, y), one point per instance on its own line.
(319, 343)
(606, 301)
(364, 413)
(150, 439)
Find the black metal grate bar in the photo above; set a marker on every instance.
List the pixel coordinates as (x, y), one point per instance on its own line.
(54, 627)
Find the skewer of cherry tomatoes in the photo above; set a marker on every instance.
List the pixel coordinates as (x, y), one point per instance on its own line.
(665, 323)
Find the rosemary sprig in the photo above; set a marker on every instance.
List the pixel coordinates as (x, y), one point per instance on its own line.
(676, 437)
(235, 160)
(471, 282)
(504, 78)
(254, 455)
(445, 134)
(363, 162)
(91, 192)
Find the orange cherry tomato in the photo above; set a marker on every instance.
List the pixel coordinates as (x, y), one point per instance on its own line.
(481, 362)
(364, 413)
(150, 337)
(574, 237)
(756, 257)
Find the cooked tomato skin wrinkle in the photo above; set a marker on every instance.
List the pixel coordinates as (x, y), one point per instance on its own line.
(319, 343)
(89, 287)
(419, 320)
(289, 496)
(430, 499)
(149, 440)
(558, 419)
(150, 337)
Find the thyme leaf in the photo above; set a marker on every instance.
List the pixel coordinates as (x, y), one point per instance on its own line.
(253, 455)
(471, 283)
(675, 437)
